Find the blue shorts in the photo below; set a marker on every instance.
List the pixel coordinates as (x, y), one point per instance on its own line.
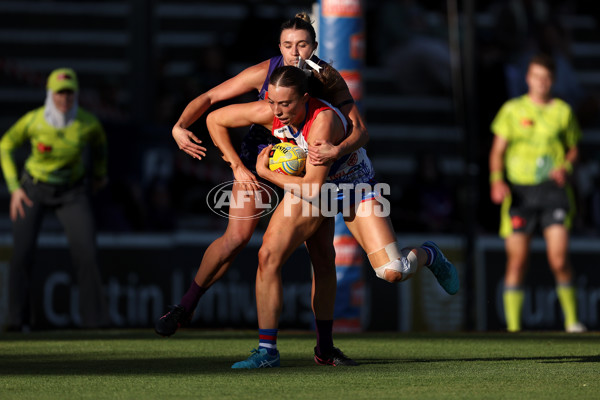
(351, 197)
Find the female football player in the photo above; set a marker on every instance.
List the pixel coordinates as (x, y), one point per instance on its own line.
(291, 114)
(297, 42)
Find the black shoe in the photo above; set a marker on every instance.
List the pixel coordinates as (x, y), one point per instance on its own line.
(335, 358)
(172, 320)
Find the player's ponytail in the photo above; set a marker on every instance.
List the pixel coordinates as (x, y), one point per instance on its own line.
(324, 83)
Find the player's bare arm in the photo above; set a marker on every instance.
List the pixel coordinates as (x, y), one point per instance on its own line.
(358, 137)
(249, 79)
(323, 152)
(235, 116)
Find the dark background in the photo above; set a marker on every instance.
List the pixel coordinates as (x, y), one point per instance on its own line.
(428, 102)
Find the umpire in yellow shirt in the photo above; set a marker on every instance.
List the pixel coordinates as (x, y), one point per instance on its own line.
(535, 141)
(53, 179)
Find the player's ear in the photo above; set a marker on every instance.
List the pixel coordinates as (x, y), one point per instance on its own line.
(305, 97)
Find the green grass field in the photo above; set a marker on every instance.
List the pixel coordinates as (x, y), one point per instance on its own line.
(137, 364)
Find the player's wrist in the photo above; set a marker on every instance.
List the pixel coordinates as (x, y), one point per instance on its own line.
(234, 165)
(341, 150)
(568, 166)
(496, 176)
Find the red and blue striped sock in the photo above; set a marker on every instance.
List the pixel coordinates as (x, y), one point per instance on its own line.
(267, 339)
(430, 255)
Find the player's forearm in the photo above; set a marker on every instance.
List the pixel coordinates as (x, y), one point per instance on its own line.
(221, 139)
(496, 167)
(357, 139)
(570, 159)
(194, 110)
(572, 155)
(496, 164)
(228, 152)
(9, 170)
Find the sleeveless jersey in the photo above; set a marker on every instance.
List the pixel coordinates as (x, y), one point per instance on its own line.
(354, 168)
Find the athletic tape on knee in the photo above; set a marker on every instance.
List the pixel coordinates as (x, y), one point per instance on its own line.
(404, 262)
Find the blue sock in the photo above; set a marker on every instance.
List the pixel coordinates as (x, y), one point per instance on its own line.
(430, 255)
(267, 339)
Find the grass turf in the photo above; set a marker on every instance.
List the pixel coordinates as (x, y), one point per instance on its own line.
(137, 364)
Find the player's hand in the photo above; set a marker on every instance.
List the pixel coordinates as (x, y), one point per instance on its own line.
(17, 199)
(246, 179)
(322, 153)
(498, 191)
(262, 161)
(559, 175)
(188, 142)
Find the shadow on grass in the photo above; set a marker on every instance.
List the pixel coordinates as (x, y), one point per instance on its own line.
(549, 359)
(199, 333)
(181, 360)
(59, 365)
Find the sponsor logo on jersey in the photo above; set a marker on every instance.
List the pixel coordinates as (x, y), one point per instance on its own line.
(44, 148)
(526, 122)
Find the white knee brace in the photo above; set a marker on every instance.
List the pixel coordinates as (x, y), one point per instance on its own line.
(390, 258)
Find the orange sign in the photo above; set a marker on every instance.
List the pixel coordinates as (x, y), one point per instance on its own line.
(354, 81)
(341, 8)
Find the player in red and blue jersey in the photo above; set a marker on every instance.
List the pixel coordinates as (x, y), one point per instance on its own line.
(297, 42)
(292, 114)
